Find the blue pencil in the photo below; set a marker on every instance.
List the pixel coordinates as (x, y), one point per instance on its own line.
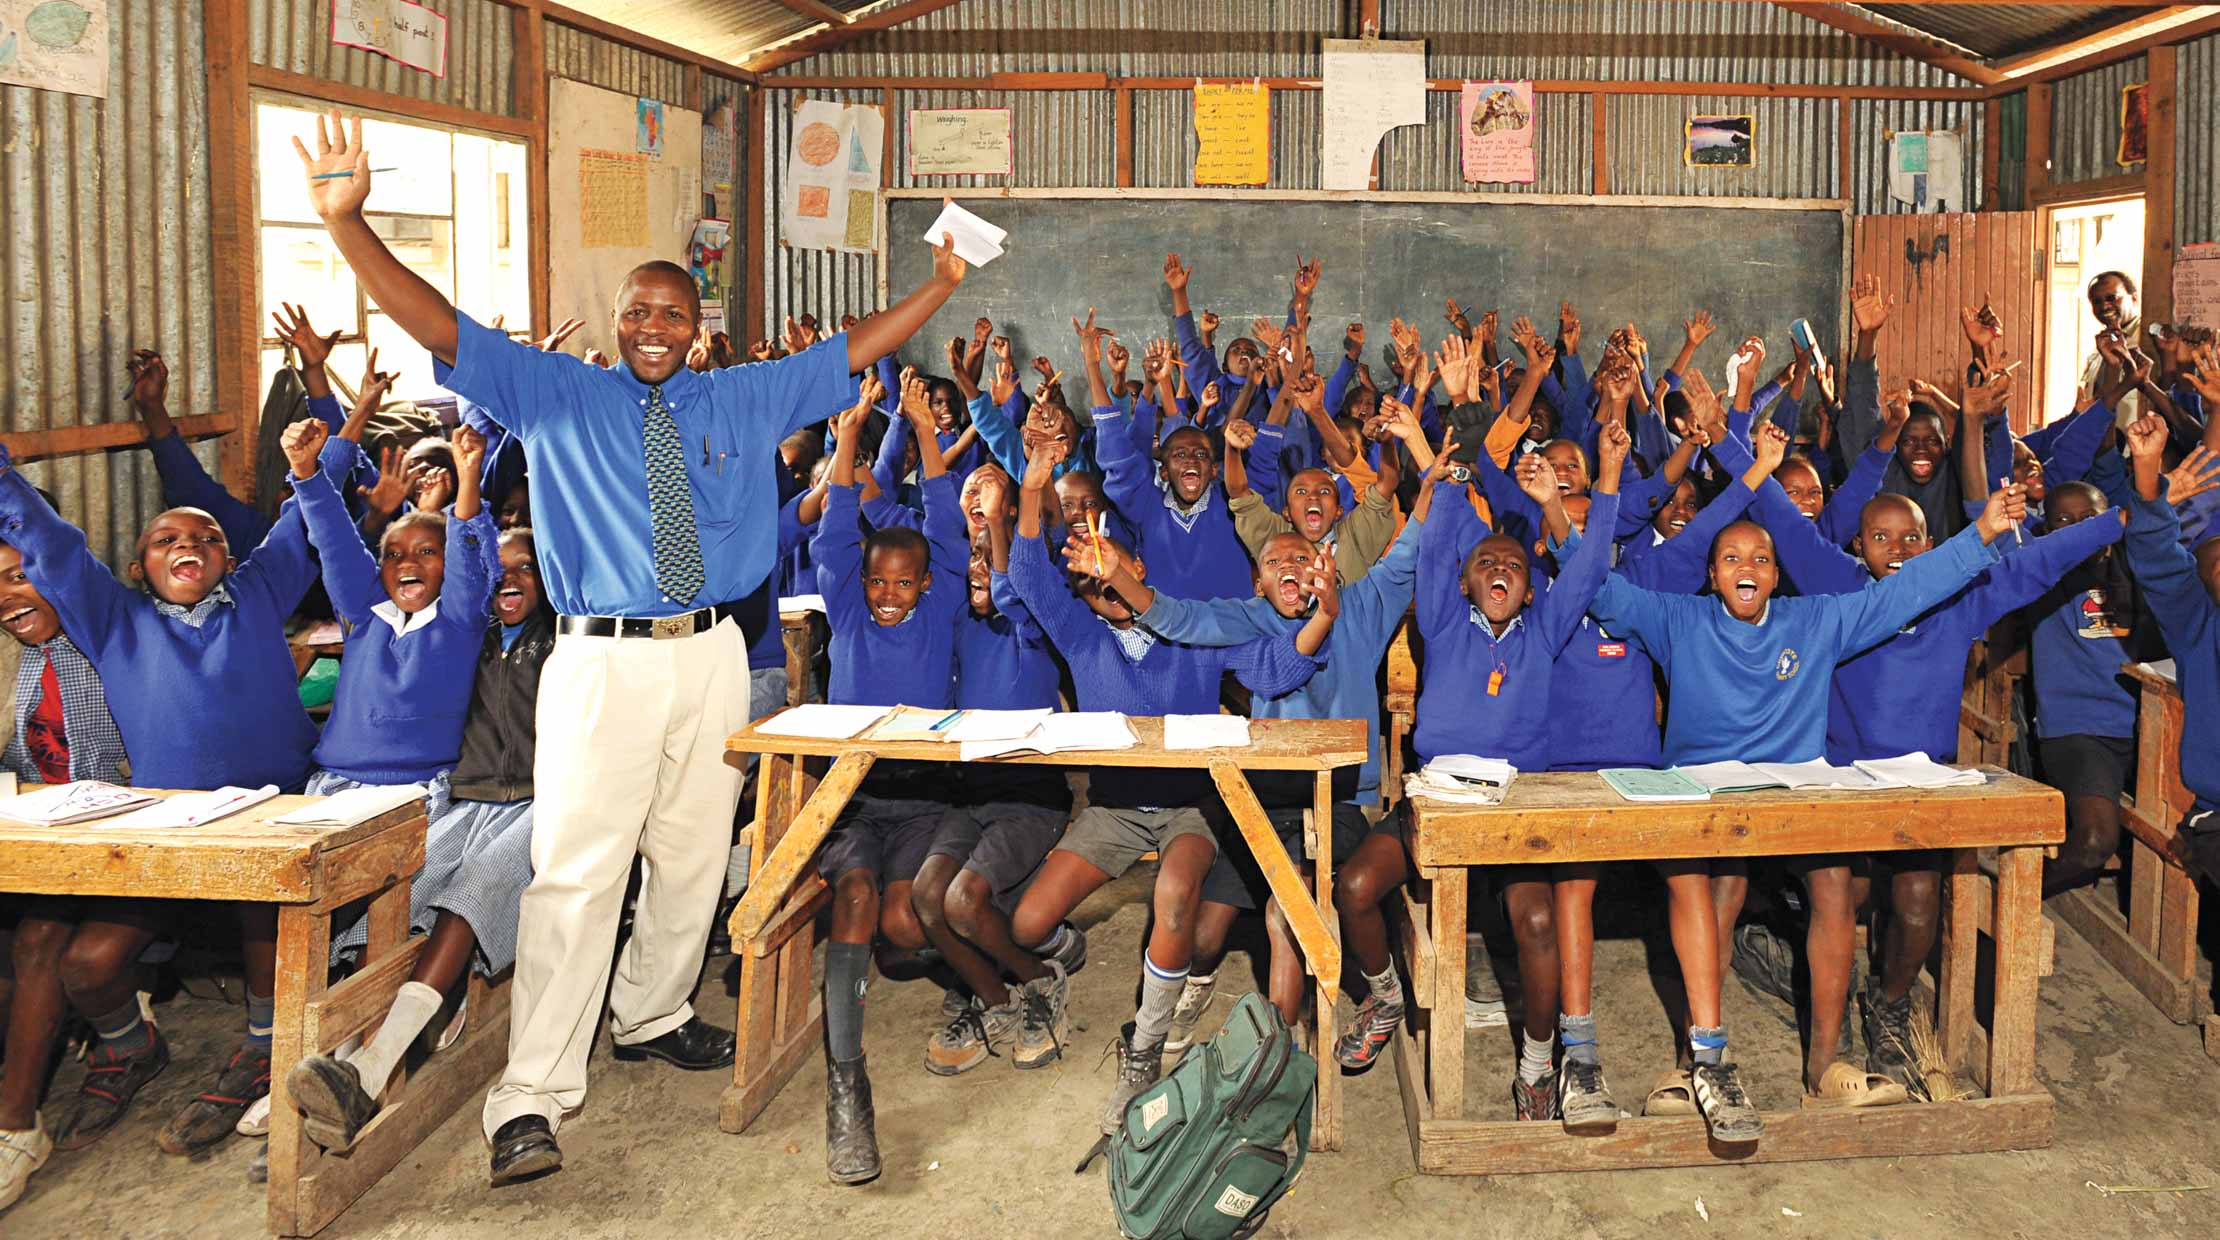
(347, 172)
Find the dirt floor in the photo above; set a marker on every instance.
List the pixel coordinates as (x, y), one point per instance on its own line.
(989, 1154)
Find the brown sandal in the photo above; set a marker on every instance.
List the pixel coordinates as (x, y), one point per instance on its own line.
(1673, 1094)
(1843, 1085)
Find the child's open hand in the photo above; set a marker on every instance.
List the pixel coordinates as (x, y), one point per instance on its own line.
(2198, 473)
(434, 489)
(563, 331)
(294, 329)
(869, 392)
(470, 451)
(2006, 509)
(917, 403)
(302, 440)
(1455, 369)
(1698, 327)
(1769, 443)
(1568, 325)
(1176, 276)
(1868, 309)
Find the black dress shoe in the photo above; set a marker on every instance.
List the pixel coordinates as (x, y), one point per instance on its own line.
(524, 1149)
(694, 1046)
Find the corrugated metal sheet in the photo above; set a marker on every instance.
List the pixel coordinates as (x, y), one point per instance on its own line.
(825, 283)
(1428, 157)
(1872, 120)
(738, 244)
(295, 35)
(1057, 138)
(2197, 141)
(106, 247)
(1999, 30)
(1164, 138)
(2011, 148)
(1646, 41)
(589, 58)
(2085, 121)
(725, 29)
(1795, 140)
(1135, 38)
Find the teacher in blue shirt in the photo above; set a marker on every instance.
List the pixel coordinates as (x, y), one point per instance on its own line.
(655, 510)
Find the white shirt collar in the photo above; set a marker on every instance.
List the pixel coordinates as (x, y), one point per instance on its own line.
(404, 623)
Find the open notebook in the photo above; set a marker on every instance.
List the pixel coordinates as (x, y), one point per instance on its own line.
(1703, 780)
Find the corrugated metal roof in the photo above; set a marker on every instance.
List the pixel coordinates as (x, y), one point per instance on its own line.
(1997, 31)
(295, 35)
(2197, 146)
(589, 58)
(729, 30)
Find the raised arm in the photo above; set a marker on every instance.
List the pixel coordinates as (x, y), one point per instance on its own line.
(1870, 615)
(338, 184)
(56, 558)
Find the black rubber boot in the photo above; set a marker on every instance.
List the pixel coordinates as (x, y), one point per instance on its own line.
(851, 1131)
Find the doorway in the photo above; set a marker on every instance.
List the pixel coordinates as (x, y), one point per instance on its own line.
(2084, 239)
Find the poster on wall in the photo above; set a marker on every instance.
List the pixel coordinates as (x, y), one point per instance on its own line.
(1495, 126)
(2197, 284)
(1372, 86)
(705, 258)
(946, 142)
(2135, 125)
(1720, 142)
(1927, 171)
(1233, 133)
(55, 45)
(647, 127)
(612, 199)
(395, 29)
(832, 177)
(720, 150)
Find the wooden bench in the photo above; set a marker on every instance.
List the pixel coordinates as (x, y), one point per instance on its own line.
(1562, 817)
(310, 874)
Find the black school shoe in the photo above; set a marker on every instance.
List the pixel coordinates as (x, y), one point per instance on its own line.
(110, 1084)
(524, 1149)
(329, 1095)
(694, 1046)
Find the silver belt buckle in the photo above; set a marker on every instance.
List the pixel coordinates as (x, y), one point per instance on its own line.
(662, 627)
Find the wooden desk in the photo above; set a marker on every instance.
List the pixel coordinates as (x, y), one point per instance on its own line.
(780, 1011)
(309, 874)
(2154, 945)
(1560, 817)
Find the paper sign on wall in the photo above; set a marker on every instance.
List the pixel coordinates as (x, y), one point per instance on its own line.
(395, 29)
(612, 199)
(946, 142)
(2197, 284)
(832, 179)
(1495, 123)
(1372, 86)
(55, 45)
(1233, 133)
(1927, 171)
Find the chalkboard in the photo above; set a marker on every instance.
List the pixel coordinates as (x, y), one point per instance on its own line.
(1756, 267)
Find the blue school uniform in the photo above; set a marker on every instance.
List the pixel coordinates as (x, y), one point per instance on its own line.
(1459, 709)
(2077, 650)
(1190, 552)
(1004, 661)
(204, 697)
(2186, 616)
(404, 687)
(912, 663)
(1757, 692)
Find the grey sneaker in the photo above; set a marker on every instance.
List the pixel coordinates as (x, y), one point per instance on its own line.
(1584, 1100)
(1725, 1105)
(953, 1002)
(1044, 1026)
(1483, 993)
(1073, 955)
(968, 1039)
(1194, 1000)
(1138, 1068)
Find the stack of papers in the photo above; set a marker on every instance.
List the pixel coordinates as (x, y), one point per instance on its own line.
(819, 721)
(1462, 779)
(802, 602)
(80, 801)
(1206, 732)
(912, 723)
(977, 242)
(1917, 770)
(352, 807)
(996, 725)
(1062, 732)
(191, 809)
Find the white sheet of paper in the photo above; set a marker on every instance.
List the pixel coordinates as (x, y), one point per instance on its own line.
(1372, 86)
(1473, 767)
(977, 242)
(1917, 770)
(1818, 773)
(2163, 668)
(803, 602)
(1206, 732)
(820, 721)
(191, 809)
(1062, 733)
(353, 806)
(1730, 775)
(78, 801)
(997, 725)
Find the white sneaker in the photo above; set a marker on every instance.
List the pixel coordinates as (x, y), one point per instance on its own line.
(1483, 993)
(454, 1030)
(22, 1151)
(256, 1122)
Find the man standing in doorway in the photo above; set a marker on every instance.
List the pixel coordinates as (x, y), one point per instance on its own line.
(2112, 298)
(655, 513)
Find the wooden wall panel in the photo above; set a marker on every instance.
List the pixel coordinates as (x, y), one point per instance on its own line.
(1991, 255)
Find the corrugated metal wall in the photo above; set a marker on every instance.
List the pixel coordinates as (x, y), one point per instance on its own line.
(1872, 120)
(105, 247)
(589, 58)
(825, 283)
(295, 35)
(1795, 139)
(1132, 38)
(2085, 122)
(2197, 141)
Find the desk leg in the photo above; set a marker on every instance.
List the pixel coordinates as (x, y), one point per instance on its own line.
(303, 963)
(1961, 954)
(1445, 1030)
(1321, 951)
(2019, 911)
(1326, 1132)
(778, 861)
(777, 1029)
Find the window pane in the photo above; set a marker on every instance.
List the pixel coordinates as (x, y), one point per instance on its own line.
(491, 226)
(302, 266)
(284, 187)
(423, 246)
(414, 168)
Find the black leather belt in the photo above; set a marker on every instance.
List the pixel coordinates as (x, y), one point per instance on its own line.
(685, 624)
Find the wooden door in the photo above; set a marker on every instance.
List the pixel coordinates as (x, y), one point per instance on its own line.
(1934, 264)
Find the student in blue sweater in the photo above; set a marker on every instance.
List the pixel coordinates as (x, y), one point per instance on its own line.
(891, 602)
(199, 628)
(2183, 587)
(998, 829)
(1116, 665)
(477, 860)
(1493, 640)
(1748, 673)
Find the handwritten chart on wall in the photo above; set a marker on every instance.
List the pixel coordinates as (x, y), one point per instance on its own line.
(2197, 284)
(947, 142)
(55, 45)
(610, 206)
(1233, 132)
(612, 199)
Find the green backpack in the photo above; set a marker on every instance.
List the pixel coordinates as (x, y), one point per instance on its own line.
(1203, 1154)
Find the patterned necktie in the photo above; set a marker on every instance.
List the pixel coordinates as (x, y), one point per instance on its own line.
(678, 567)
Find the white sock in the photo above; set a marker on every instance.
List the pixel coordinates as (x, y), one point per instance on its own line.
(1386, 987)
(413, 1009)
(1534, 1057)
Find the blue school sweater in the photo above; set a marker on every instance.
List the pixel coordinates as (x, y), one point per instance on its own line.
(1897, 697)
(185, 484)
(1456, 713)
(1758, 692)
(1347, 687)
(769, 649)
(200, 706)
(397, 714)
(1004, 662)
(912, 663)
(1168, 679)
(1189, 555)
(2186, 615)
(2076, 653)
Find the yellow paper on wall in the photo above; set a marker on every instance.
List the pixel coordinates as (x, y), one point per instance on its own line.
(1233, 128)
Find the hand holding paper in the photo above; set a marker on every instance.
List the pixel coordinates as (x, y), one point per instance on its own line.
(977, 242)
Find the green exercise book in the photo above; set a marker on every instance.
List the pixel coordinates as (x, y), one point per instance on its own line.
(1641, 784)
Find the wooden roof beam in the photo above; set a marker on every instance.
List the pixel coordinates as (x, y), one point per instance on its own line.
(1925, 50)
(827, 37)
(2174, 24)
(817, 11)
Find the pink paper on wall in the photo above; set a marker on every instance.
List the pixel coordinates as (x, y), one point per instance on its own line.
(1495, 122)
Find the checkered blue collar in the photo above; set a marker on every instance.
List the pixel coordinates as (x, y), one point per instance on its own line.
(198, 613)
